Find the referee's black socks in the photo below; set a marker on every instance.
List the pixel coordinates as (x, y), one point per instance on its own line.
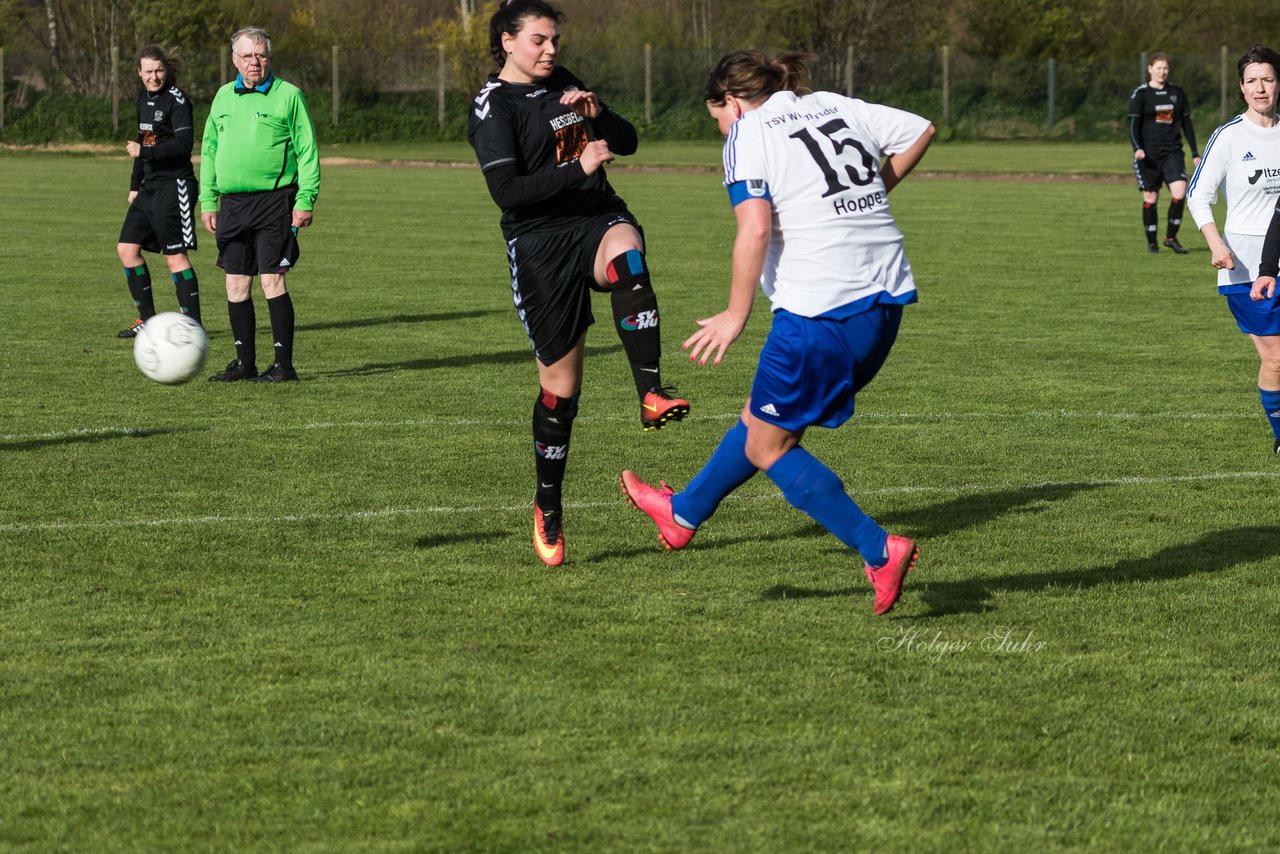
(243, 323)
(281, 310)
(139, 281)
(635, 317)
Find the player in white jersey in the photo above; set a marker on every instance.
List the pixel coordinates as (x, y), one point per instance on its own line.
(1243, 159)
(808, 177)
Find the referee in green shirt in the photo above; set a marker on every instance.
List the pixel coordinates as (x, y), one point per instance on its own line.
(259, 178)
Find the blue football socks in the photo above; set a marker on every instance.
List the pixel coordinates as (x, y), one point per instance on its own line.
(727, 469)
(817, 491)
(1271, 406)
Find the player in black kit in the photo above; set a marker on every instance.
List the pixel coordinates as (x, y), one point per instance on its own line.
(162, 190)
(542, 139)
(1159, 113)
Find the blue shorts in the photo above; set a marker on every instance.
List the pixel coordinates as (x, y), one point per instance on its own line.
(811, 367)
(1256, 318)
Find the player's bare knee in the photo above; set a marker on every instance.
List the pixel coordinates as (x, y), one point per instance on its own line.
(238, 288)
(177, 263)
(273, 285)
(130, 254)
(1271, 367)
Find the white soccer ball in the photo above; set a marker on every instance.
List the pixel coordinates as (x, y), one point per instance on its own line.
(170, 348)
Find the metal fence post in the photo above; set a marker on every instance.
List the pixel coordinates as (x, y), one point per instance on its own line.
(848, 70)
(1222, 75)
(440, 84)
(335, 85)
(2, 79)
(222, 65)
(1053, 91)
(115, 82)
(946, 82)
(1142, 62)
(648, 83)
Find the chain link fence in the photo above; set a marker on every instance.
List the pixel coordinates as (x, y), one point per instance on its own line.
(418, 95)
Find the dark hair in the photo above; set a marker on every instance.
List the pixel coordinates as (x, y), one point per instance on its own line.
(510, 19)
(1156, 56)
(172, 63)
(753, 75)
(1258, 53)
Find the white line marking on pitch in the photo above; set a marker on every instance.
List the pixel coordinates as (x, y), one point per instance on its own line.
(27, 527)
(930, 417)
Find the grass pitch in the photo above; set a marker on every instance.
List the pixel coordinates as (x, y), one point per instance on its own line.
(309, 616)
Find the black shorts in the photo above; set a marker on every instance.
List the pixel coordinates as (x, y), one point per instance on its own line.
(255, 232)
(162, 216)
(1151, 172)
(552, 276)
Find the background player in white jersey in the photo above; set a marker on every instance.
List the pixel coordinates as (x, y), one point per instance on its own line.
(1159, 114)
(162, 189)
(1243, 159)
(810, 194)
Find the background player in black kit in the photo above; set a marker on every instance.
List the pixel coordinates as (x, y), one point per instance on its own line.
(542, 139)
(162, 190)
(1159, 113)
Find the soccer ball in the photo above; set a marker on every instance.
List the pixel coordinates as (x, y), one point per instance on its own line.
(170, 348)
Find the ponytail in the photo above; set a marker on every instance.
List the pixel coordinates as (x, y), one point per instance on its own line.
(753, 76)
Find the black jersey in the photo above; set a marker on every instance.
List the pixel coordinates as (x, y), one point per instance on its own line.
(529, 144)
(166, 136)
(1156, 117)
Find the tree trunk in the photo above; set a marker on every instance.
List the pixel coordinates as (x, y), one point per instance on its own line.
(52, 17)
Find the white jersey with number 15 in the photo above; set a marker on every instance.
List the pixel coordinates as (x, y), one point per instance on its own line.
(817, 158)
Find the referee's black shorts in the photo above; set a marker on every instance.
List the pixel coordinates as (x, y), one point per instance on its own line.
(1151, 172)
(162, 216)
(255, 232)
(552, 276)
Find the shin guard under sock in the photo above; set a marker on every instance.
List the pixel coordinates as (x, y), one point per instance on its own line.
(139, 281)
(281, 310)
(1149, 217)
(552, 424)
(635, 317)
(243, 325)
(727, 469)
(811, 487)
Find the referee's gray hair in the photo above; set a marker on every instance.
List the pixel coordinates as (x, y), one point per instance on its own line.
(257, 35)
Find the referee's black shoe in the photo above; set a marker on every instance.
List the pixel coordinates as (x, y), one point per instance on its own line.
(236, 370)
(1172, 243)
(277, 373)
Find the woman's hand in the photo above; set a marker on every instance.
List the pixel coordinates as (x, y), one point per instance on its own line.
(594, 155)
(581, 102)
(713, 339)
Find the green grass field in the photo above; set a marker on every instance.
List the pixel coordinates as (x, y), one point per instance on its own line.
(309, 617)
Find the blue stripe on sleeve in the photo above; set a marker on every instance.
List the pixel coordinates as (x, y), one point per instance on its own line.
(741, 191)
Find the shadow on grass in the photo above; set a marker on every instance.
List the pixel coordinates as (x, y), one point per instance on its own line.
(968, 511)
(1213, 552)
(438, 541)
(468, 360)
(359, 323)
(89, 438)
